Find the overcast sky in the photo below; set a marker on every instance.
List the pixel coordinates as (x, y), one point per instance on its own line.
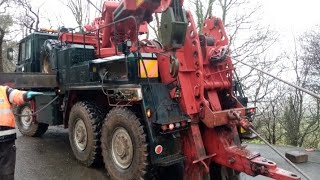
(287, 17)
(284, 14)
(291, 15)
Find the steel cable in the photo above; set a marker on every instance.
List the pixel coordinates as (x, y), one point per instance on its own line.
(279, 153)
(38, 111)
(279, 79)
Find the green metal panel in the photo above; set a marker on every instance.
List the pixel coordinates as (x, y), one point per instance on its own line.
(156, 97)
(113, 69)
(164, 111)
(73, 65)
(173, 28)
(120, 69)
(132, 60)
(50, 115)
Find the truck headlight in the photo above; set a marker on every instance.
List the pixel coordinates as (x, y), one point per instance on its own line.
(129, 94)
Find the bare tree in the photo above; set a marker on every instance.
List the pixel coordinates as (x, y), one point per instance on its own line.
(5, 23)
(80, 10)
(9, 65)
(310, 75)
(155, 26)
(270, 118)
(299, 123)
(29, 19)
(292, 118)
(203, 10)
(311, 57)
(313, 139)
(299, 118)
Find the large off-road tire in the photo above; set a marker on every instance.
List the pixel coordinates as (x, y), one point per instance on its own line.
(25, 124)
(47, 56)
(124, 145)
(218, 172)
(46, 66)
(84, 132)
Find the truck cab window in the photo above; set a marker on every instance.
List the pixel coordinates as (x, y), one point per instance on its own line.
(22, 52)
(25, 51)
(28, 49)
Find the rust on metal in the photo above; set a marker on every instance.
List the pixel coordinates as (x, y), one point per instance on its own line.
(213, 119)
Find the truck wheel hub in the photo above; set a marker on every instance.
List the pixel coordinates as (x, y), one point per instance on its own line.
(122, 148)
(26, 120)
(80, 135)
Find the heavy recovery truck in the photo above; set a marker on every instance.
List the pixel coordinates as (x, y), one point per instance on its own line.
(139, 105)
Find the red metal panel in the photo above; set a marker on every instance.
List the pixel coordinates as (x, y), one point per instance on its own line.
(191, 68)
(228, 153)
(204, 72)
(78, 39)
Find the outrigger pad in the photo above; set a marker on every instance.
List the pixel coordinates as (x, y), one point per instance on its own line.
(297, 156)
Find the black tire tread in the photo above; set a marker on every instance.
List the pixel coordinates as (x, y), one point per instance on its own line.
(37, 129)
(142, 169)
(42, 128)
(95, 115)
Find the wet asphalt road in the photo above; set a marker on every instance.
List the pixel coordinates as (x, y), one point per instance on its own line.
(50, 158)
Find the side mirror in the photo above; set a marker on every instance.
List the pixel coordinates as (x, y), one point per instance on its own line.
(10, 54)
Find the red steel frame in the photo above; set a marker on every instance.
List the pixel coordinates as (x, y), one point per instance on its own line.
(200, 82)
(213, 136)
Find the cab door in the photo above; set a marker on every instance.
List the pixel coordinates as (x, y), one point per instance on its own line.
(25, 59)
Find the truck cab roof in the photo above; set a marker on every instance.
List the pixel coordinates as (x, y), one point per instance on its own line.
(40, 34)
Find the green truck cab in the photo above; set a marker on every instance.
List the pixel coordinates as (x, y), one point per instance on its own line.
(30, 51)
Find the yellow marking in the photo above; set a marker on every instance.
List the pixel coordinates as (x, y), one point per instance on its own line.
(242, 130)
(139, 2)
(49, 30)
(151, 67)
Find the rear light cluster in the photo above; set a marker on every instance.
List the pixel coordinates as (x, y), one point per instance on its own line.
(250, 112)
(158, 150)
(174, 126)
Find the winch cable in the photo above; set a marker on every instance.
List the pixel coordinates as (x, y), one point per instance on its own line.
(279, 79)
(94, 6)
(265, 141)
(279, 153)
(38, 111)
